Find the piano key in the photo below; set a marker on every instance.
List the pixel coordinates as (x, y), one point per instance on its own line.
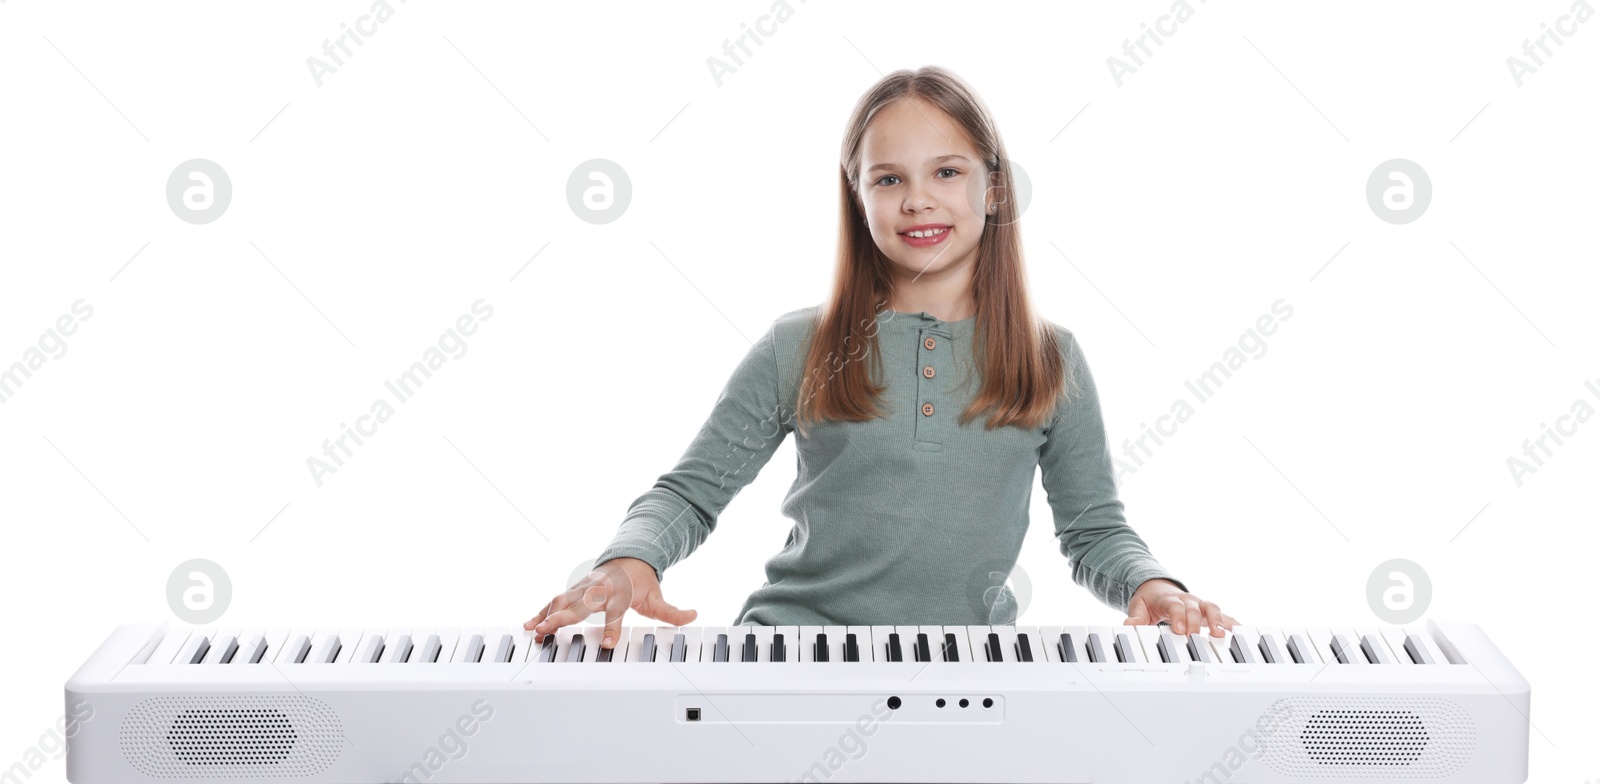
(835, 642)
(1003, 639)
(1200, 647)
(636, 653)
(577, 647)
(896, 653)
(1150, 638)
(398, 649)
(647, 651)
(750, 648)
(1067, 648)
(1028, 645)
(545, 651)
(1045, 648)
(962, 650)
(195, 648)
(1345, 651)
(806, 645)
(764, 636)
(1097, 649)
(449, 641)
(350, 640)
(852, 648)
(1301, 650)
(908, 641)
(429, 651)
(223, 646)
(274, 637)
(922, 650)
(1079, 635)
(780, 645)
(1171, 648)
(1220, 647)
(504, 645)
(1418, 647)
(1241, 647)
(790, 635)
(1381, 651)
(167, 650)
(327, 649)
(371, 648)
(470, 649)
(1376, 650)
(720, 645)
(251, 651)
(1271, 644)
(880, 643)
(863, 642)
(1350, 640)
(296, 650)
(680, 648)
(1321, 638)
(1127, 650)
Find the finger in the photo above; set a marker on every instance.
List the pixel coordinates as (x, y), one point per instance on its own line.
(1229, 622)
(537, 617)
(661, 609)
(560, 613)
(1175, 613)
(615, 609)
(1196, 620)
(1213, 618)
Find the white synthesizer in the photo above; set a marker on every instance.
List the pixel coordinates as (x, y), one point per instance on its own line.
(1436, 701)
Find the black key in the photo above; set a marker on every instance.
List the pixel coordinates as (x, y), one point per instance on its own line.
(993, 647)
(1200, 652)
(851, 652)
(1124, 648)
(1270, 651)
(1374, 649)
(1241, 652)
(1299, 649)
(1097, 652)
(575, 650)
(1164, 647)
(604, 654)
(547, 651)
(204, 647)
(1024, 649)
(719, 652)
(951, 651)
(920, 652)
(820, 652)
(777, 647)
(1417, 651)
(749, 654)
(647, 653)
(894, 647)
(1343, 651)
(1068, 651)
(680, 648)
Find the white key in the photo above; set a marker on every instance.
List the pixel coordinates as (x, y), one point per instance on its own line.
(252, 647)
(351, 637)
(835, 642)
(808, 643)
(167, 650)
(326, 647)
(1052, 639)
(1346, 640)
(428, 647)
(879, 643)
(398, 647)
(1150, 638)
(368, 650)
(470, 649)
(708, 641)
(1080, 643)
(1271, 640)
(935, 643)
(1317, 639)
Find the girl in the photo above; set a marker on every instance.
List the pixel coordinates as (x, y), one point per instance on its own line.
(907, 508)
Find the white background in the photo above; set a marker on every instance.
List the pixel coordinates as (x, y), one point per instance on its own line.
(430, 169)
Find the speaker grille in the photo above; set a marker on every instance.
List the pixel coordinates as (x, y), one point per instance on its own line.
(1356, 737)
(230, 737)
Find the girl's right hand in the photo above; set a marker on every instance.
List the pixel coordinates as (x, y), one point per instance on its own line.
(613, 586)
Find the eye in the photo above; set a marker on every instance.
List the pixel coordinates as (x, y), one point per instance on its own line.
(885, 177)
(948, 169)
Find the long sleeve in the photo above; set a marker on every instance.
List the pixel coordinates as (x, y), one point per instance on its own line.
(1107, 557)
(746, 425)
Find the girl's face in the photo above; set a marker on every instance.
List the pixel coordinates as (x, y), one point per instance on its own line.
(919, 172)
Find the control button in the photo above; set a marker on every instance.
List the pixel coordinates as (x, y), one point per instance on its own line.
(929, 343)
(927, 409)
(927, 372)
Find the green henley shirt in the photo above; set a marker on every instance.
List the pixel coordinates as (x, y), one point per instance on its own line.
(910, 518)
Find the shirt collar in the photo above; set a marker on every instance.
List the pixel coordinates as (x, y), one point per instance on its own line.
(927, 322)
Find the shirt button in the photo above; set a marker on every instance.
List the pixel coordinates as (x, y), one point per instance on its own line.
(928, 343)
(927, 409)
(927, 372)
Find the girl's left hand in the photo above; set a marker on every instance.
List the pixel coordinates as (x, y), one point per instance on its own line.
(1160, 600)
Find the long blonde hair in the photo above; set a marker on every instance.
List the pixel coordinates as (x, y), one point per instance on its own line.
(1022, 368)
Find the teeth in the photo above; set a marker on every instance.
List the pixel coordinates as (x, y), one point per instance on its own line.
(927, 233)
